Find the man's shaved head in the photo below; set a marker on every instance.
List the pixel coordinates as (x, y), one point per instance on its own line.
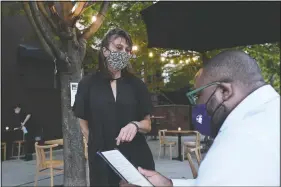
(233, 66)
(233, 76)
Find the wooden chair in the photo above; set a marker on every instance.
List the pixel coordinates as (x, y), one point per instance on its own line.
(18, 143)
(43, 164)
(4, 147)
(85, 148)
(163, 143)
(193, 147)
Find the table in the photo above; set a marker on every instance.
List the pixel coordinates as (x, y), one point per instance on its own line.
(57, 141)
(179, 133)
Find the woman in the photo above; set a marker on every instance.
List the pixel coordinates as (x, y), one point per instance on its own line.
(113, 107)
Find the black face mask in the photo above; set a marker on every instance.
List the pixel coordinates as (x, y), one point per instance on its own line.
(217, 123)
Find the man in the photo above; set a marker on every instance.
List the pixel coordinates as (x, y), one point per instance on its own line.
(23, 122)
(245, 122)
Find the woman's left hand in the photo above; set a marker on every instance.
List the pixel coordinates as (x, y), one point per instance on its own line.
(127, 133)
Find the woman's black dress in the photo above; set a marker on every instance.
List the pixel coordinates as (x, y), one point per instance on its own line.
(95, 103)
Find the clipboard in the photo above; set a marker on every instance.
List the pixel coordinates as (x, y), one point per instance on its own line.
(116, 170)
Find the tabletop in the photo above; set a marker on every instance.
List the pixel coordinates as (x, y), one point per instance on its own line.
(178, 132)
(157, 117)
(57, 141)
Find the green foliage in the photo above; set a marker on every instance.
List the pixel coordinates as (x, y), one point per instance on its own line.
(268, 58)
(126, 15)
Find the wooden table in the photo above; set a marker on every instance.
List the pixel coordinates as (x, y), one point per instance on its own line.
(179, 133)
(57, 141)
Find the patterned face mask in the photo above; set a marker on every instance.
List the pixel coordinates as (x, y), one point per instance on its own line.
(118, 60)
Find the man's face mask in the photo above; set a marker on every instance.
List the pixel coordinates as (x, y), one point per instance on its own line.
(118, 60)
(201, 119)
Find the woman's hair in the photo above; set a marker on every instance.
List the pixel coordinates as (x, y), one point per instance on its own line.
(111, 35)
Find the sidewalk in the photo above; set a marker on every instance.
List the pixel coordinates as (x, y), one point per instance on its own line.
(21, 173)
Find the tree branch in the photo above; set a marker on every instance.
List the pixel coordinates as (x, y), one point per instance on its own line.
(78, 10)
(89, 4)
(46, 15)
(27, 10)
(63, 29)
(96, 25)
(66, 10)
(49, 38)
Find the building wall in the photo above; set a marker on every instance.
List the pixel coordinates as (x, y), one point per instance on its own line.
(44, 102)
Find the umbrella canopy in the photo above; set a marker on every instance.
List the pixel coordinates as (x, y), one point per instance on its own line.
(204, 26)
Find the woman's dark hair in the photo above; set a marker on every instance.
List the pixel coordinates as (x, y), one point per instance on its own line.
(111, 35)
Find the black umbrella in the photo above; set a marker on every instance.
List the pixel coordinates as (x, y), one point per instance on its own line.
(203, 26)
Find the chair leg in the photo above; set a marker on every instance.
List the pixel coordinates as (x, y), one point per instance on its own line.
(19, 146)
(5, 150)
(160, 147)
(197, 156)
(52, 176)
(164, 150)
(193, 170)
(199, 153)
(183, 152)
(12, 149)
(171, 153)
(36, 177)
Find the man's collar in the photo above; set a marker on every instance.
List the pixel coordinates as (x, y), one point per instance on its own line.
(255, 99)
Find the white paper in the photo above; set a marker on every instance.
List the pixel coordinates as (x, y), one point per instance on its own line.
(125, 168)
(24, 130)
(73, 91)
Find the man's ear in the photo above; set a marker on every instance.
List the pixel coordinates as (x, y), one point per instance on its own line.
(105, 52)
(227, 90)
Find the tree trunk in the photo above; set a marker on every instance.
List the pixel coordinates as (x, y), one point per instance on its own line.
(71, 54)
(72, 137)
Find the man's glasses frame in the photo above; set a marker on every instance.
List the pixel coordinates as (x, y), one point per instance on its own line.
(192, 95)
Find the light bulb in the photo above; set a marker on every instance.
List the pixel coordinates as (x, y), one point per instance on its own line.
(179, 129)
(135, 48)
(94, 18)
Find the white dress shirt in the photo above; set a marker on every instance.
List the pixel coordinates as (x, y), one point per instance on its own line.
(246, 152)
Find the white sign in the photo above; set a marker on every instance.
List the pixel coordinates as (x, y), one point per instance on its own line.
(73, 91)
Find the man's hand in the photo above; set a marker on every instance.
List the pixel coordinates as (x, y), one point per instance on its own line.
(125, 184)
(155, 178)
(127, 134)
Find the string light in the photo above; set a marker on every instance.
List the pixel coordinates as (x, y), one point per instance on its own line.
(181, 61)
(94, 18)
(150, 54)
(195, 58)
(135, 48)
(163, 59)
(172, 61)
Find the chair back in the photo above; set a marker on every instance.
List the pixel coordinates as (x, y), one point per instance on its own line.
(41, 155)
(161, 134)
(85, 147)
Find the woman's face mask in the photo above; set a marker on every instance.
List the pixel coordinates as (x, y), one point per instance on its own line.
(118, 60)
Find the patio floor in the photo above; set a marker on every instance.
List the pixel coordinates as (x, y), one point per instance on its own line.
(21, 173)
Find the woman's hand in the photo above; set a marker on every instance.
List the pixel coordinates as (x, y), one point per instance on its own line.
(127, 133)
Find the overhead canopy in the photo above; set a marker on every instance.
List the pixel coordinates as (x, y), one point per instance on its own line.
(204, 26)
